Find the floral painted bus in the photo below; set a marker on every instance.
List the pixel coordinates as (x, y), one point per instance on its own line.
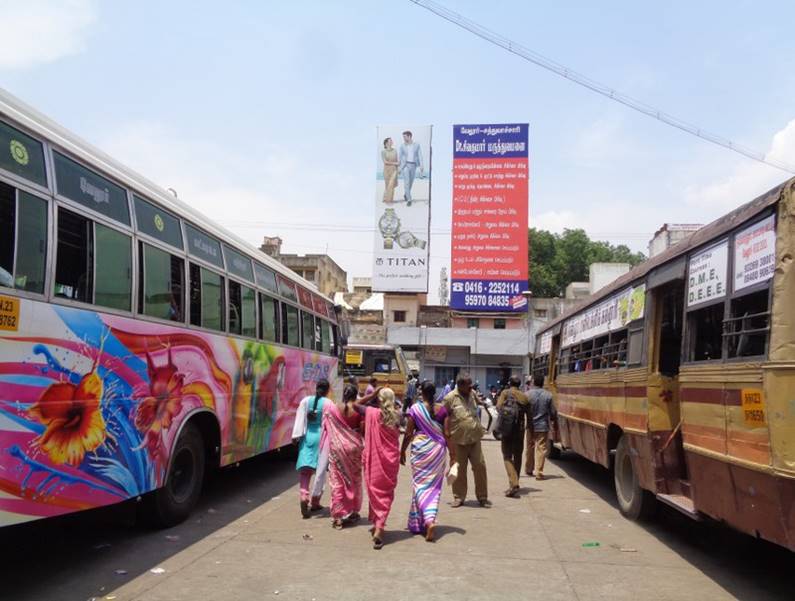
(140, 344)
(681, 374)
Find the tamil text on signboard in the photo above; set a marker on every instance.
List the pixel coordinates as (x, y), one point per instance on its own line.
(755, 254)
(706, 275)
(490, 217)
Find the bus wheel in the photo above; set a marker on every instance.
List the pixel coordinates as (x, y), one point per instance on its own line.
(633, 501)
(173, 503)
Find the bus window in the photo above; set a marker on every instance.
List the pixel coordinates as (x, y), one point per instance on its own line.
(242, 310)
(94, 263)
(290, 325)
(23, 227)
(113, 265)
(248, 297)
(326, 336)
(269, 315)
(206, 298)
(72, 269)
(161, 277)
(705, 331)
(747, 328)
(308, 330)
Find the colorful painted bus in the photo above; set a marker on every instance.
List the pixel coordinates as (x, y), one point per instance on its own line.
(140, 344)
(681, 374)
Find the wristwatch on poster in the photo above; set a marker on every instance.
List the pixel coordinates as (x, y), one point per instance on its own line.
(409, 240)
(389, 225)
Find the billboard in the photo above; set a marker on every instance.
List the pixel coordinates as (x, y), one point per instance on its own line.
(402, 208)
(490, 217)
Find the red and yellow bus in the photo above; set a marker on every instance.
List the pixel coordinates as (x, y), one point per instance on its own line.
(140, 344)
(681, 374)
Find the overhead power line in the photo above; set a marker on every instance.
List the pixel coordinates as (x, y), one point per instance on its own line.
(595, 86)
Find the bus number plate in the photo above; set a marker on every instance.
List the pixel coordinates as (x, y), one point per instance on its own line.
(9, 313)
(753, 405)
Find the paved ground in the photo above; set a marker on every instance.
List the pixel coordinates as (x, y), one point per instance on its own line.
(248, 541)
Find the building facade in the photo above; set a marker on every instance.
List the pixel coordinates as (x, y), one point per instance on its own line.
(670, 234)
(319, 269)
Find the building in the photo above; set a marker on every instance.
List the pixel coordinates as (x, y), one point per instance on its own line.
(362, 313)
(320, 269)
(599, 276)
(670, 234)
(441, 342)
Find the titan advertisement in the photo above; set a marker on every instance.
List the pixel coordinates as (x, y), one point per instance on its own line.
(402, 209)
(490, 217)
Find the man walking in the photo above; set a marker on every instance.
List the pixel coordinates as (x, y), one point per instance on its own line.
(410, 160)
(512, 406)
(543, 414)
(462, 427)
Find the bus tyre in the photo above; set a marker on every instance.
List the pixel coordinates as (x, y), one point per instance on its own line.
(634, 502)
(173, 503)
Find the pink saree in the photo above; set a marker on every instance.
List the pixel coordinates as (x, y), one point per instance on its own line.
(381, 465)
(344, 463)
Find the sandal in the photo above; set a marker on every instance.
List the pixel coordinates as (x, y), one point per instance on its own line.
(337, 524)
(378, 544)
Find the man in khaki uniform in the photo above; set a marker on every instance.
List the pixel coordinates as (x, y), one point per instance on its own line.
(463, 429)
(512, 436)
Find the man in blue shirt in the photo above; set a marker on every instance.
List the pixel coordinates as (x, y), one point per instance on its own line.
(410, 159)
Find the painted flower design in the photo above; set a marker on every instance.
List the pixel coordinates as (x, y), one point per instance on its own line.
(157, 411)
(73, 419)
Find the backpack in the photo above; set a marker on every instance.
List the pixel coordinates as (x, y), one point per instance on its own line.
(509, 416)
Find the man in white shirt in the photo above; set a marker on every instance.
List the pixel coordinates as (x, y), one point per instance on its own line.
(410, 159)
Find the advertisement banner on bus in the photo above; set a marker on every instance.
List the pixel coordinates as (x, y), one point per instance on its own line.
(609, 315)
(706, 274)
(402, 208)
(490, 217)
(755, 254)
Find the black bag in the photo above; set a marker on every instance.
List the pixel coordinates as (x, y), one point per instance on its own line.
(509, 416)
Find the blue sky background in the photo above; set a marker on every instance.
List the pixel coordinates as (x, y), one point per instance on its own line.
(263, 114)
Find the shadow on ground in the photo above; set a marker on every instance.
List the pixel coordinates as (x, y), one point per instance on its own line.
(746, 567)
(91, 553)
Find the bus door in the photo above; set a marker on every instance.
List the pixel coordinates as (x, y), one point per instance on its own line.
(665, 425)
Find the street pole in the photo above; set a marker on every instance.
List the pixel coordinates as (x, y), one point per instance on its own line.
(529, 296)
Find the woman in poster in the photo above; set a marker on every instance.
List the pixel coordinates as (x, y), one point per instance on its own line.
(390, 159)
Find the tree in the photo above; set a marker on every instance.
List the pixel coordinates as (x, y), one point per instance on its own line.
(557, 260)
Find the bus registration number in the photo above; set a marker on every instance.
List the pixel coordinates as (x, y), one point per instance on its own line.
(753, 405)
(9, 313)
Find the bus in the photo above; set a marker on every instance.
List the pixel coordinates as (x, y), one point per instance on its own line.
(384, 362)
(141, 345)
(680, 375)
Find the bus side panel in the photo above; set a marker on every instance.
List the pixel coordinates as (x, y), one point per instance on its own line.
(749, 500)
(584, 439)
(90, 404)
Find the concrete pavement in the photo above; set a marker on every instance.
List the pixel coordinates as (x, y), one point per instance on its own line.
(247, 541)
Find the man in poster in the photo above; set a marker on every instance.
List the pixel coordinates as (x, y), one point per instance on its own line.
(410, 158)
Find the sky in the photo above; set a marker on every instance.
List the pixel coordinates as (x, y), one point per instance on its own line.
(263, 115)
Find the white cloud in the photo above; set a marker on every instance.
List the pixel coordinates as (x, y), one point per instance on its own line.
(749, 179)
(42, 31)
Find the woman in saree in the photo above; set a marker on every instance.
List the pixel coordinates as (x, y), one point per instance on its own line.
(425, 433)
(381, 459)
(307, 435)
(341, 428)
(390, 159)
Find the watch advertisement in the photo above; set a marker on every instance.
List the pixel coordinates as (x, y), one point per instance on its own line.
(490, 218)
(402, 208)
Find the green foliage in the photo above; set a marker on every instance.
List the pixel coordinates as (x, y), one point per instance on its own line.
(557, 260)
